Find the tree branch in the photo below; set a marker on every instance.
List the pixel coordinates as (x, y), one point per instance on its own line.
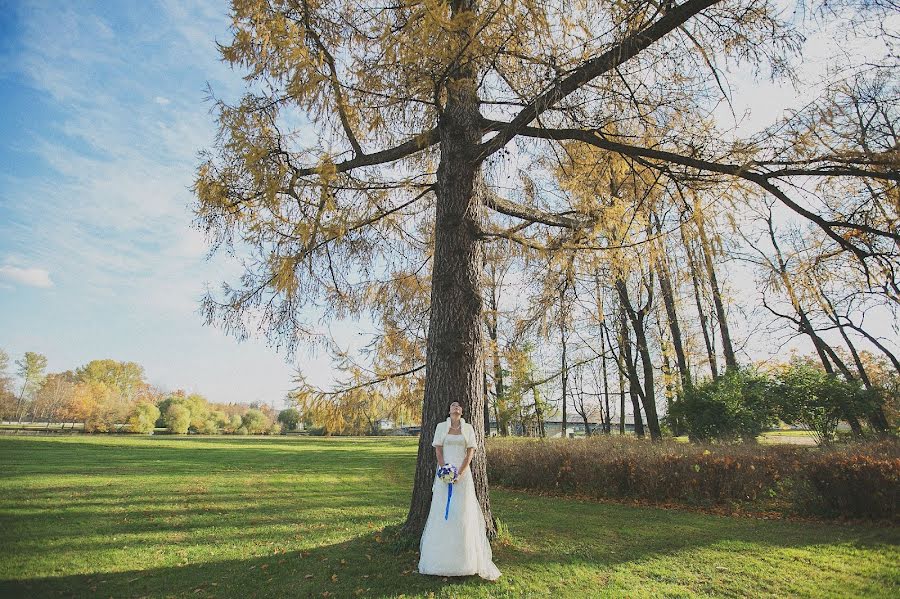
(591, 69)
(741, 171)
(416, 144)
(533, 215)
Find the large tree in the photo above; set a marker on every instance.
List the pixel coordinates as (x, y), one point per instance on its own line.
(378, 139)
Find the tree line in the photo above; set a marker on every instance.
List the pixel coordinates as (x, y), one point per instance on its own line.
(112, 396)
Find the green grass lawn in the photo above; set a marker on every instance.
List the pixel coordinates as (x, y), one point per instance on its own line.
(104, 516)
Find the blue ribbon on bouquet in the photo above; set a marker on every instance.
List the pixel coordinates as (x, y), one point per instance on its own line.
(449, 495)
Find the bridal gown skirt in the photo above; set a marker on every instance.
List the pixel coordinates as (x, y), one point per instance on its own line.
(457, 546)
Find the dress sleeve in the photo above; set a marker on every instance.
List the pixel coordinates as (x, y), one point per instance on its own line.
(438, 435)
(470, 436)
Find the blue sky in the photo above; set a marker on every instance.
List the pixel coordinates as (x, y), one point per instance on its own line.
(103, 114)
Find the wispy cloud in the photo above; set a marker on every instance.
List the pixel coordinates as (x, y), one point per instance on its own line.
(102, 200)
(117, 214)
(32, 277)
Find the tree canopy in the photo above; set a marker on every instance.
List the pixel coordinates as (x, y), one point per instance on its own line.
(377, 143)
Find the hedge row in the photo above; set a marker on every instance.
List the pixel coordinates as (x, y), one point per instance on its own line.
(856, 481)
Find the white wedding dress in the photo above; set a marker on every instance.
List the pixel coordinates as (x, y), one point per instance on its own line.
(457, 546)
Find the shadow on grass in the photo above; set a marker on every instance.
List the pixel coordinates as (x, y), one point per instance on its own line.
(223, 495)
(366, 566)
(359, 567)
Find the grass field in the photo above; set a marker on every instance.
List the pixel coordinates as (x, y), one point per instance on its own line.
(106, 516)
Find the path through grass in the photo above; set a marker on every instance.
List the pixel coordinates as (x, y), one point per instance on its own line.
(106, 516)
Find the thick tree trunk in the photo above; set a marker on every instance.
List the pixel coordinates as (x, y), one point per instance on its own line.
(453, 363)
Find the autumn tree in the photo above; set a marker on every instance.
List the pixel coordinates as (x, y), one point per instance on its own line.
(31, 371)
(126, 378)
(52, 395)
(7, 394)
(366, 126)
(143, 417)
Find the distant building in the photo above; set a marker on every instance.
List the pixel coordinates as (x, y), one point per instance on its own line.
(574, 426)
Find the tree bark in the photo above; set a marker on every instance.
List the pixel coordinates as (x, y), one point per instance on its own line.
(453, 363)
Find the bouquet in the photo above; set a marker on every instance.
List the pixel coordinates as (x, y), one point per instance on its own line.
(449, 474)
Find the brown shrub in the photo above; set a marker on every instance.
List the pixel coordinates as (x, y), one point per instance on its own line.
(857, 481)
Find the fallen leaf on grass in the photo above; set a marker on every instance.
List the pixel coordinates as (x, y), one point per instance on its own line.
(334, 578)
(308, 576)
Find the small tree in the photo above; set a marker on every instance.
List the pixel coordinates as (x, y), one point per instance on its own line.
(808, 395)
(209, 427)
(177, 419)
(289, 419)
(734, 406)
(143, 418)
(255, 422)
(234, 423)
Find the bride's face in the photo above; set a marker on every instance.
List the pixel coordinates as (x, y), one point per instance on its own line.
(455, 409)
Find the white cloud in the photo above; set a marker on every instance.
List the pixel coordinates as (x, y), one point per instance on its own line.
(162, 101)
(32, 277)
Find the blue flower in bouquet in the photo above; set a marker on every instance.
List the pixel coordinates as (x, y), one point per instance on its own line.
(448, 473)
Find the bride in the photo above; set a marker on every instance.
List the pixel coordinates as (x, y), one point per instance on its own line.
(456, 545)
